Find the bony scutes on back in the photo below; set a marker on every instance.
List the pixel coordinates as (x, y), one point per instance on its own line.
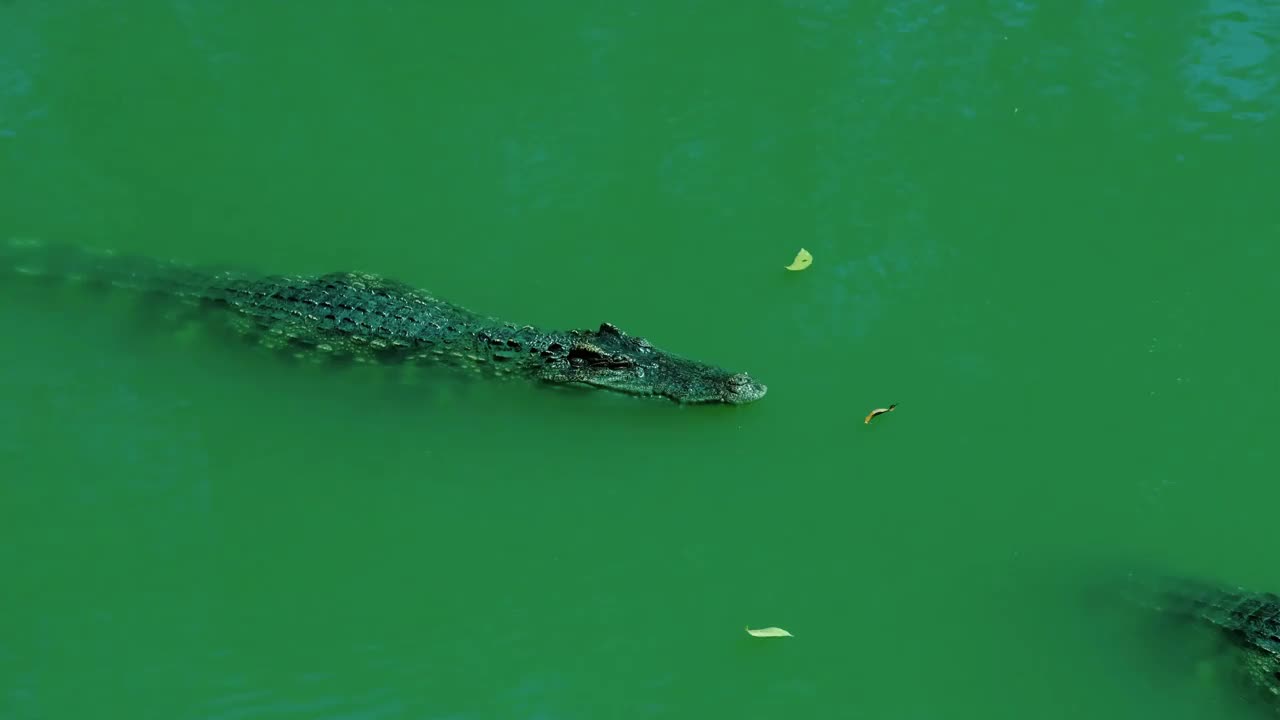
(393, 322)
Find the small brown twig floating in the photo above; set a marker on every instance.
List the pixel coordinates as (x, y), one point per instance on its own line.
(878, 411)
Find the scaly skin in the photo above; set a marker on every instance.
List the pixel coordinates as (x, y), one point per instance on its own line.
(1249, 622)
(371, 319)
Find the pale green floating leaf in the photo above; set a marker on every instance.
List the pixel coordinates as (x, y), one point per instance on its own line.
(802, 261)
(768, 632)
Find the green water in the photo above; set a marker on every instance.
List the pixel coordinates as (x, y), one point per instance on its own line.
(1047, 230)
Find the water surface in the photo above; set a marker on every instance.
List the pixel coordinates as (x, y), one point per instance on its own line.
(1047, 232)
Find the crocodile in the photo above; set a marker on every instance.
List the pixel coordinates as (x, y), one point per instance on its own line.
(369, 318)
(1243, 625)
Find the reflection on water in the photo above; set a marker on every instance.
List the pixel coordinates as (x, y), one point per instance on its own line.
(1231, 67)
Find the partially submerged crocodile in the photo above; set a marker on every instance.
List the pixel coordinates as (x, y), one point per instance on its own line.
(371, 319)
(1245, 623)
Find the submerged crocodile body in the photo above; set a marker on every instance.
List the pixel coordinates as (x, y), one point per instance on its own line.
(371, 319)
(1246, 623)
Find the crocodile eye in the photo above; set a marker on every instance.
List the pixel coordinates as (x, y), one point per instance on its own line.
(591, 356)
(588, 356)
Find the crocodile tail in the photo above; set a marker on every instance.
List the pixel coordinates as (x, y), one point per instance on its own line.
(73, 263)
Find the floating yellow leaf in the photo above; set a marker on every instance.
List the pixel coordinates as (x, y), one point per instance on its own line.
(769, 632)
(802, 261)
(878, 411)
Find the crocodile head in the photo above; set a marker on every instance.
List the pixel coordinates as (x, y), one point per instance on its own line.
(613, 360)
